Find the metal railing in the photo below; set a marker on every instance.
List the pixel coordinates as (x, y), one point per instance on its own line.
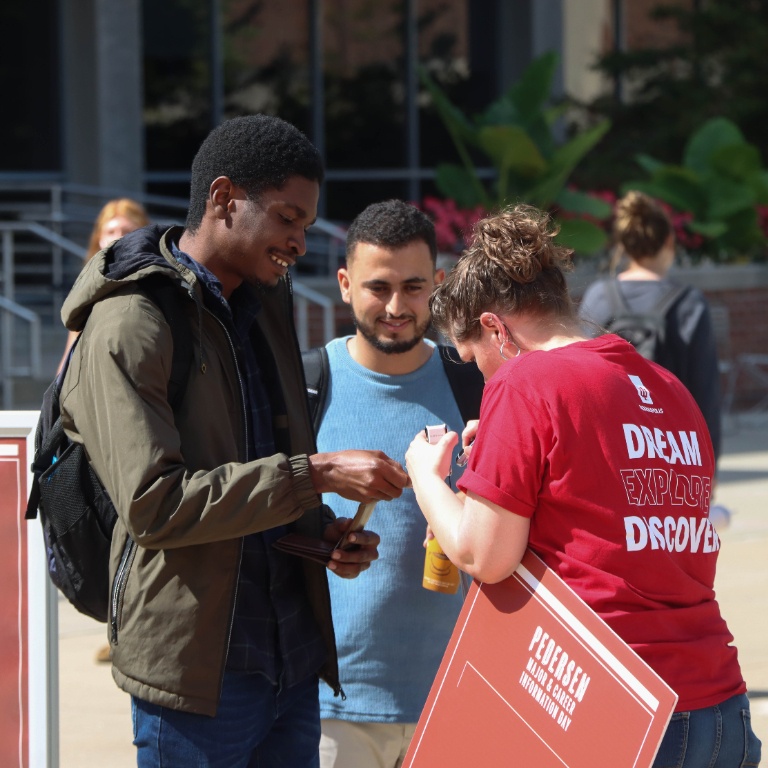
(11, 310)
(303, 297)
(79, 204)
(61, 245)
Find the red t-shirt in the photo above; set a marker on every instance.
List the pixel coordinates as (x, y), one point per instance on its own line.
(610, 457)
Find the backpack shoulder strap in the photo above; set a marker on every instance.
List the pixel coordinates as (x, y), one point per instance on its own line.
(666, 302)
(616, 297)
(50, 435)
(317, 374)
(165, 294)
(466, 382)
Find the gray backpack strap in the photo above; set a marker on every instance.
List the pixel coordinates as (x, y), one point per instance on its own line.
(668, 300)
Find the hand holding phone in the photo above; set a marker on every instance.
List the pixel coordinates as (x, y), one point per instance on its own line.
(433, 435)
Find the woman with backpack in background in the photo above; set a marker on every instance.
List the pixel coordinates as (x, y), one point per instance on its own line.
(643, 233)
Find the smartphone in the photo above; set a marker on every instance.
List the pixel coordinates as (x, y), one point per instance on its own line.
(434, 433)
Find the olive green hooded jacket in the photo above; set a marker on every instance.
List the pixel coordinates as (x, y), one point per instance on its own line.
(184, 494)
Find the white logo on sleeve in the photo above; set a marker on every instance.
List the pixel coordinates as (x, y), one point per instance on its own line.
(642, 391)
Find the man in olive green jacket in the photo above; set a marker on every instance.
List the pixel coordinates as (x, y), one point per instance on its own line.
(218, 637)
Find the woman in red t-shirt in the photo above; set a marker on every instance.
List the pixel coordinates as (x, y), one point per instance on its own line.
(597, 459)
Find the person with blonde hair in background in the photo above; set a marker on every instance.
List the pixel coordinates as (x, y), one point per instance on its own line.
(570, 429)
(117, 218)
(643, 233)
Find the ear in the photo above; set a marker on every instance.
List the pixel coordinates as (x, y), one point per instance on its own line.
(221, 196)
(487, 320)
(490, 323)
(344, 284)
(439, 276)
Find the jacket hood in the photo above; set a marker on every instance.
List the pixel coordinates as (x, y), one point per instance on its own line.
(133, 257)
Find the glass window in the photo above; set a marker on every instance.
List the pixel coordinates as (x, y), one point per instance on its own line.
(177, 81)
(377, 134)
(265, 51)
(29, 72)
(364, 84)
(444, 51)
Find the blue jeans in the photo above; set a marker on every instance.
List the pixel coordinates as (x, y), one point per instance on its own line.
(257, 725)
(715, 737)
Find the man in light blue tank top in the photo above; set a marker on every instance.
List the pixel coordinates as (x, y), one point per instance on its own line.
(386, 382)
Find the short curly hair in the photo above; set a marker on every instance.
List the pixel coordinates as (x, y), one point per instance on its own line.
(256, 152)
(512, 265)
(391, 224)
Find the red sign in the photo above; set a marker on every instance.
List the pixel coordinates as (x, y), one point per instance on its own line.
(14, 726)
(532, 676)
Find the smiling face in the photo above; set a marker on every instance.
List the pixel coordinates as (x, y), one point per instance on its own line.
(256, 241)
(388, 291)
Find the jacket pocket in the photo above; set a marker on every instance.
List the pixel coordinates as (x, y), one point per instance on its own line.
(118, 586)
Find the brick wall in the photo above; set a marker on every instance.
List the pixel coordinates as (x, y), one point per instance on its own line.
(748, 313)
(342, 317)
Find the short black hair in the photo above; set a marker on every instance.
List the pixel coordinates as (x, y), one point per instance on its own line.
(256, 152)
(391, 224)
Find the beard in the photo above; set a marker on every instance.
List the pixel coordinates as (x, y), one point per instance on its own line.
(391, 346)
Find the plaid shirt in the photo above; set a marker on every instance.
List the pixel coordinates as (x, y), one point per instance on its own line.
(273, 631)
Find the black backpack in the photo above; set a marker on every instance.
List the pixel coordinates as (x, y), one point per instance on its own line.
(75, 510)
(465, 379)
(645, 331)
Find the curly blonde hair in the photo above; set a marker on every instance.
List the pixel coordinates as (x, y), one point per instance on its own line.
(511, 266)
(123, 206)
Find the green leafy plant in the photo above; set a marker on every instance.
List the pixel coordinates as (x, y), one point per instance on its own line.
(696, 60)
(516, 135)
(721, 182)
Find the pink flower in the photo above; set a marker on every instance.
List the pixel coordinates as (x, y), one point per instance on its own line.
(453, 225)
(692, 241)
(762, 219)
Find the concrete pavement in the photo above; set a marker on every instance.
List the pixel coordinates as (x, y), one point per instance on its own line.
(95, 721)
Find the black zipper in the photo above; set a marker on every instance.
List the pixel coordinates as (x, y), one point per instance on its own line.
(118, 587)
(247, 452)
(239, 380)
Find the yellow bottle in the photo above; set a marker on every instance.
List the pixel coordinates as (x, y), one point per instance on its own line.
(440, 574)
